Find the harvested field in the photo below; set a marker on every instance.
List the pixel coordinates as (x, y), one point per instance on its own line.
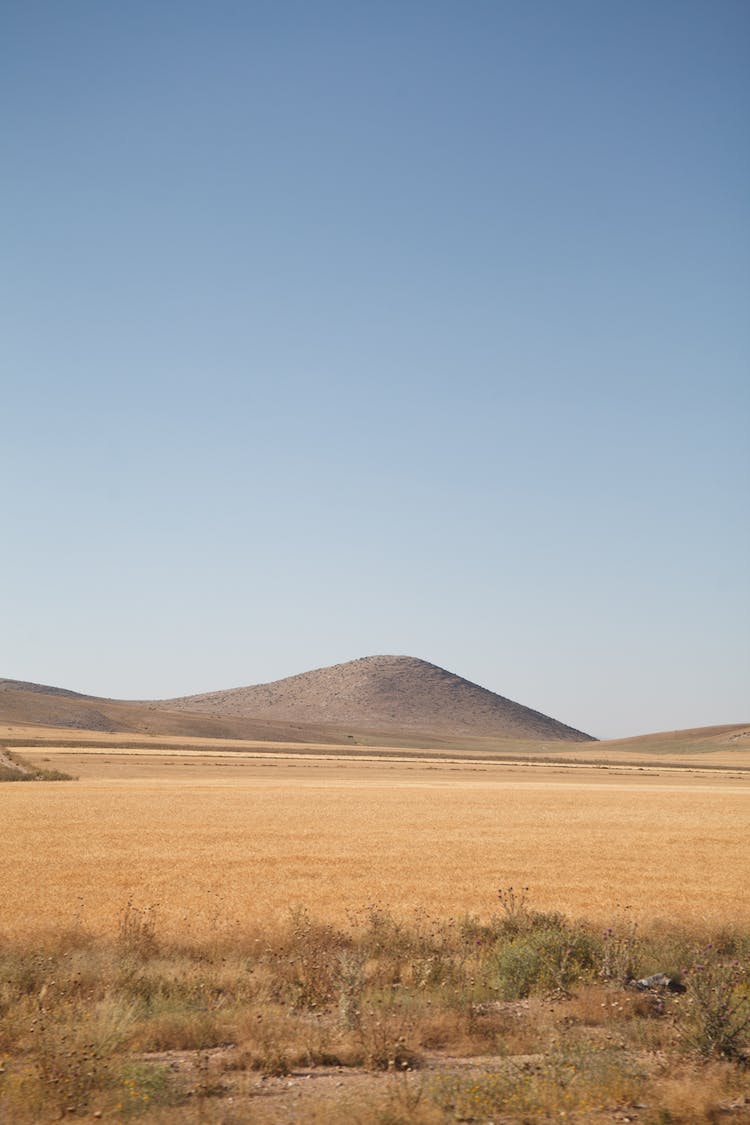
(221, 933)
(247, 836)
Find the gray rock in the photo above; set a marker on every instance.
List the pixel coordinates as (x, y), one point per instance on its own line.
(658, 982)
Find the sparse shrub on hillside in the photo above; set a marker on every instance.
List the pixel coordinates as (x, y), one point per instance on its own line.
(517, 917)
(52, 775)
(308, 966)
(620, 950)
(514, 906)
(351, 988)
(71, 1047)
(576, 1079)
(715, 1015)
(14, 768)
(384, 933)
(77, 1015)
(385, 1036)
(136, 930)
(544, 960)
(145, 1086)
(11, 773)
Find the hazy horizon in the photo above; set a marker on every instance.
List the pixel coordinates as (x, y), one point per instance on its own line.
(334, 330)
(230, 687)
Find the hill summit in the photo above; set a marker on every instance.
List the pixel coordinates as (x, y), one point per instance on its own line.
(385, 693)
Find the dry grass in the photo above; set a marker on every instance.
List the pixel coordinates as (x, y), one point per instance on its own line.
(155, 963)
(396, 1022)
(724, 747)
(15, 768)
(244, 840)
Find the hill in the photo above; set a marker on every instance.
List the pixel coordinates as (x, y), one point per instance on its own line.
(387, 693)
(388, 698)
(36, 705)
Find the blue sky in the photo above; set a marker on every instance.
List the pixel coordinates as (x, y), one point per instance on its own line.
(337, 328)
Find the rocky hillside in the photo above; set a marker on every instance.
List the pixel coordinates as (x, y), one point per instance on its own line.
(384, 693)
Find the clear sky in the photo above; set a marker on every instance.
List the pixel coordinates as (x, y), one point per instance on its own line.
(341, 328)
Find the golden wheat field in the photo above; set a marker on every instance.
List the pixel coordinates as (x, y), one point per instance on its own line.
(216, 841)
(219, 934)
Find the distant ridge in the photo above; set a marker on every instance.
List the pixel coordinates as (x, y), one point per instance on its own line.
(40, 689)
(377, 701)
(387, 693)
(395, 700)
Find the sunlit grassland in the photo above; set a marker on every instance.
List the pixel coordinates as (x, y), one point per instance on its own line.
(184, 934)
(249, 839)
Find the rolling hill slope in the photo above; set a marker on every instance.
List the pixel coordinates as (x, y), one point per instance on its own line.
(386, 693)
(388, 697)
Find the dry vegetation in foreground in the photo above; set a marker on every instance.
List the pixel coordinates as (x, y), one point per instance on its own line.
(15, 768)
(211, 998)
(521, 1016)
